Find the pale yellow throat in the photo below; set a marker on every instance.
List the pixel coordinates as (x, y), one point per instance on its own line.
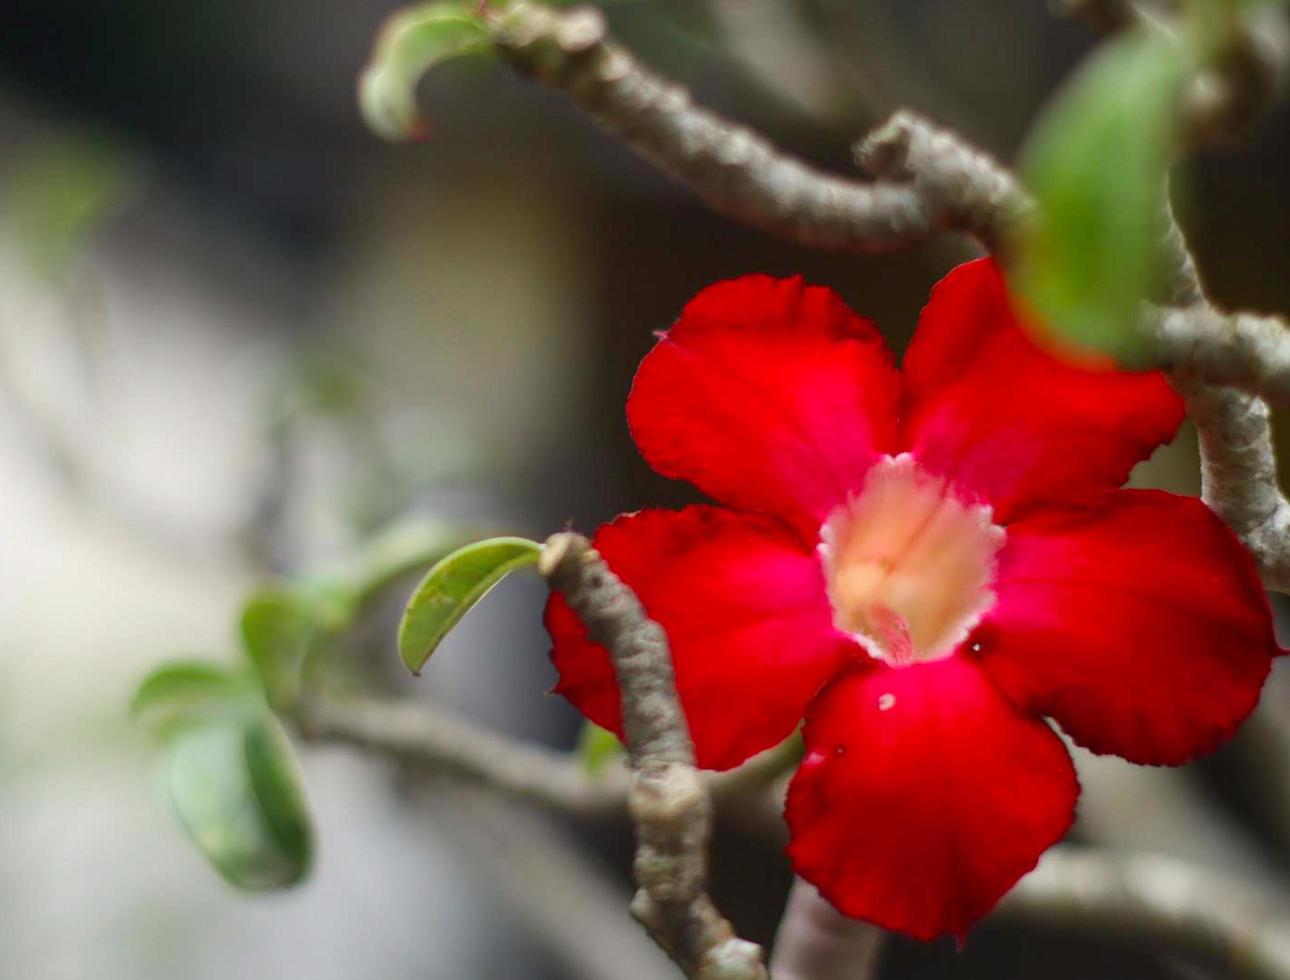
(909, 566)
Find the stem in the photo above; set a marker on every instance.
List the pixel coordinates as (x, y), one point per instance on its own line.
(817, 942)
(667, 798)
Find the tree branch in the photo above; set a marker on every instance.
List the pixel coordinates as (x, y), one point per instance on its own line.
(734, 170)
(817, 942)
(966, 187)
(428, 736)
(1204, 348)
(1243, 931)
(667, 798)
(1243, 350)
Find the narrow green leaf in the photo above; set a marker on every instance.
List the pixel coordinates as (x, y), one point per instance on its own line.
(1097, 164)
(238, 793)
(182, 693)
(413, 41)
(597, 747)
(451, 587)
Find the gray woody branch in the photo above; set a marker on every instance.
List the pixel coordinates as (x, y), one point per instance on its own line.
(816, 942)
(667, 798)
(734, 170)
(1238, 466)
(426, 736)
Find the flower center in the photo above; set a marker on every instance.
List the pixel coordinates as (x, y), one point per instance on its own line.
(909, 566)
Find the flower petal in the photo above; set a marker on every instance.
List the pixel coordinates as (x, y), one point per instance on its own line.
(746, 616)
(924, 795)
(1139, 624)
(1011, 422)
(768, 395)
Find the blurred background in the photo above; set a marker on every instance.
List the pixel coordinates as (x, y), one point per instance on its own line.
(239, 336)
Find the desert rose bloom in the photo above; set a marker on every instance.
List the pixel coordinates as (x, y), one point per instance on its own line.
(925, 564)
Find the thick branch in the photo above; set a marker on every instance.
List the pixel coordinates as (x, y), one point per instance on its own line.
(734, 170)
(1239, 473)
(967, 187)
(1243, 350)
(817, 942)
(1238, 464)
(667, 797)
(1238, 928)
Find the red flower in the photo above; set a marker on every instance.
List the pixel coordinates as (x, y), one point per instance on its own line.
(924, 565)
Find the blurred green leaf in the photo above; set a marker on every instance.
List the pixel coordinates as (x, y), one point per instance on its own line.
(411, 42)
(279, 788)
(238, 792)
(183, 693)
(1097, 163)
(281, 625)
(401, 550)
(452, 587)
(63, 189)
(277, 626)
(596, 747)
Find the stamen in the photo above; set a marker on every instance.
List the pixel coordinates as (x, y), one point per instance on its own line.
(909, 565)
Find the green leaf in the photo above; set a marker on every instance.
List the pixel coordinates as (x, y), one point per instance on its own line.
(183, 693)
(277, 626)
(596, 747)
(451, 587)
(279, 788)
(1097, 163)
(239, 795)
(282, 625)
(401, 550)
(412, 42)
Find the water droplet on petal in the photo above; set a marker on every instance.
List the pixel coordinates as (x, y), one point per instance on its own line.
(886, 702)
